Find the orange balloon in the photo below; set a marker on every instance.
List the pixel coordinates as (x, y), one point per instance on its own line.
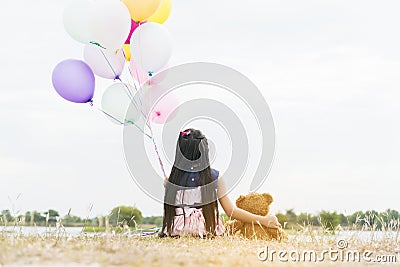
(141, 10)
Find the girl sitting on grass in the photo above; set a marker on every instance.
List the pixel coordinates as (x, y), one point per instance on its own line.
(192, 191)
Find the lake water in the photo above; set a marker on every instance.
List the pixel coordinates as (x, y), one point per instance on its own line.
(41, 230)
(364, 236)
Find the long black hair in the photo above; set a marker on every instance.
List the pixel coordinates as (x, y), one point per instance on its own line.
(191, 153)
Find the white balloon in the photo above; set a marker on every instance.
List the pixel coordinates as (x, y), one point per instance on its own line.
(76, 20)
(117, 104)
(151, 46)
(104, 63)
(110, 23)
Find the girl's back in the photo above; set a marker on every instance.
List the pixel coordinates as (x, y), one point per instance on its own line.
(189, 218)
(190, 202)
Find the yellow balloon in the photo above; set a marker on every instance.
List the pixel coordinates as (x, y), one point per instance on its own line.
(141, 10)
(162, 12)
(127, 51)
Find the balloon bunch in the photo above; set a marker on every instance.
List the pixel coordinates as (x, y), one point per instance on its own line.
(116, 34)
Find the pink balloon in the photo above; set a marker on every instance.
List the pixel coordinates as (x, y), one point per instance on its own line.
(165, 108)
(137, 73)
(143, 77)
(134, 25)
(159, 110)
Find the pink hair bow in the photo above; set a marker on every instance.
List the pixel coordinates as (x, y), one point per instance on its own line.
(187, 132)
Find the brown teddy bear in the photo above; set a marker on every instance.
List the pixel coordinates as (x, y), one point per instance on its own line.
(257, 204)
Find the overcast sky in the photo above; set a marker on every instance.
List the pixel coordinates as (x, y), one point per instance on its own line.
(328, 69)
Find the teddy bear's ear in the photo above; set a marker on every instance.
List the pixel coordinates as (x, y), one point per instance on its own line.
(268, 197)
(239, 200)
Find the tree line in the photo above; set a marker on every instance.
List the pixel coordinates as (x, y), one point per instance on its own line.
(368, 220)
(132, 216)
(119, 216)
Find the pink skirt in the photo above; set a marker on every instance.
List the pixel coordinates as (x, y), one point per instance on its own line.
(192, 223)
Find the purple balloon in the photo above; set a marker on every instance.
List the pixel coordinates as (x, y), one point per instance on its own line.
(74, 80)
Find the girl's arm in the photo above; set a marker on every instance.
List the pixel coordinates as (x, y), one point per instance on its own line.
(236, 213)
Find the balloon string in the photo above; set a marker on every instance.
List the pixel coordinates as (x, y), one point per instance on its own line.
(109, 64)
(137, 75)
(130, 71)
(149, 136)
(134, 124)
(132, 99)
(118, 121)
(158, 154)
(140, 57)
(96, 43)
(146, 119)
(123, 52)
(136, 105)
(127, 89)
(116, 77)
(136, 87)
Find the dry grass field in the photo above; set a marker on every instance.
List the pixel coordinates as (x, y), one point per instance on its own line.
(120, 250)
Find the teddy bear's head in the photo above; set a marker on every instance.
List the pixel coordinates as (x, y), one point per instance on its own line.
(255, 203)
